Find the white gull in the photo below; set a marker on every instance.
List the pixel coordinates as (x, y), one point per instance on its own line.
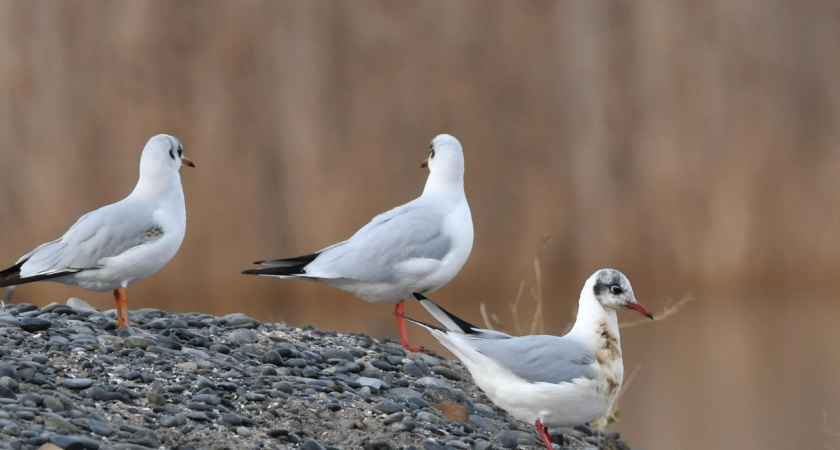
(550, 381)
(417, 247)
(120, 243)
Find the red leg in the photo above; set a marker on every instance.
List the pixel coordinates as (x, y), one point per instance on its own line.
(125, 307)
(122, 307)
(544, 434)
(118, 301)
(399, 311)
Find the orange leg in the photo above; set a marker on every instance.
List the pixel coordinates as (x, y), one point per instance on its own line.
(399, 311)
(544, 434)
(122, 307)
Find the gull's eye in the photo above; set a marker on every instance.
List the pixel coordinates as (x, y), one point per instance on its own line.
(431, 152)
(615, 290)
(171, 154)
(180, 151)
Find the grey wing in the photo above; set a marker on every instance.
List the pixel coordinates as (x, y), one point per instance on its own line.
(103, 233)
(549, 359)
(413, 230)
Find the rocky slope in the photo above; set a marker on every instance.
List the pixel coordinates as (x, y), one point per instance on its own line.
(69, 379)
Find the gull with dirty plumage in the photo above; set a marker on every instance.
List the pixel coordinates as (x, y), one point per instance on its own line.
(417, 247)
(120, 243)
(551, 381)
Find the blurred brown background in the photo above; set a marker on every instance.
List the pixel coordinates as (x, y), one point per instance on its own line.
(692, 145)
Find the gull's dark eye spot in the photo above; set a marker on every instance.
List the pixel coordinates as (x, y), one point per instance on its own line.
(431, 152)
(615, 290)
(171, 154)
(180, 151)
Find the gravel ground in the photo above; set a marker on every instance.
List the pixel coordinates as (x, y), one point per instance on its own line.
(69, 379)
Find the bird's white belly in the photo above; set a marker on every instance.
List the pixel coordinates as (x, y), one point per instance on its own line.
(390, 291)
(421, 275)
(555, 405)
(564, 404)
(132, 265)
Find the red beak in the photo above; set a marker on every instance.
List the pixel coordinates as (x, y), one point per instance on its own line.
(641, 309)
(425, 163)
(187, 162)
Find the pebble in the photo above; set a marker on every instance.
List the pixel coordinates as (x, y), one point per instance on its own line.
(146, 438)
(101, 428)
(77, 383)
(332, 353)
(79, 304)
(240, 321)
(5, 392)
(173, 421)
(447, 373)
(138, 342)
(312, 444)
(53, 404)
(431, 444)
(243, 336)
(34, 324)
(379, 444)
(387, 408)
(481, 444)
(57, 423)
(220, 348)
(74, 442)
(506, 439)
(195, 352)
(7, 370)
(58, 341)
(272, 357)
(374, 383)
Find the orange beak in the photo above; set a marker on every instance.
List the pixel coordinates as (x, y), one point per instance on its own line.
(425, 163)
(186, 162)
(641, 309)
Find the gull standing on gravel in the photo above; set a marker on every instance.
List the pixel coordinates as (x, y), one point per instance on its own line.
(120, 243)
(551, 381)
(417, 247)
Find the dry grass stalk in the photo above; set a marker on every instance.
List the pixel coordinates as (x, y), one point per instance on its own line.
(514, 307)
(492, 322)
(538, 323)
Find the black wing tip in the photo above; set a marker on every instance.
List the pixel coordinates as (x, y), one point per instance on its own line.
(276, 271)
(287, 266)
(11, 276)
(465, 326)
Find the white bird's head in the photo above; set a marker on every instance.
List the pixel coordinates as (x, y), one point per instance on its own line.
(612, 290)
(445, 161)
(163, 153)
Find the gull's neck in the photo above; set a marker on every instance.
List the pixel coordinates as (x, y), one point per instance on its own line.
(594, 321)
(163, 188)
(449, 182)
